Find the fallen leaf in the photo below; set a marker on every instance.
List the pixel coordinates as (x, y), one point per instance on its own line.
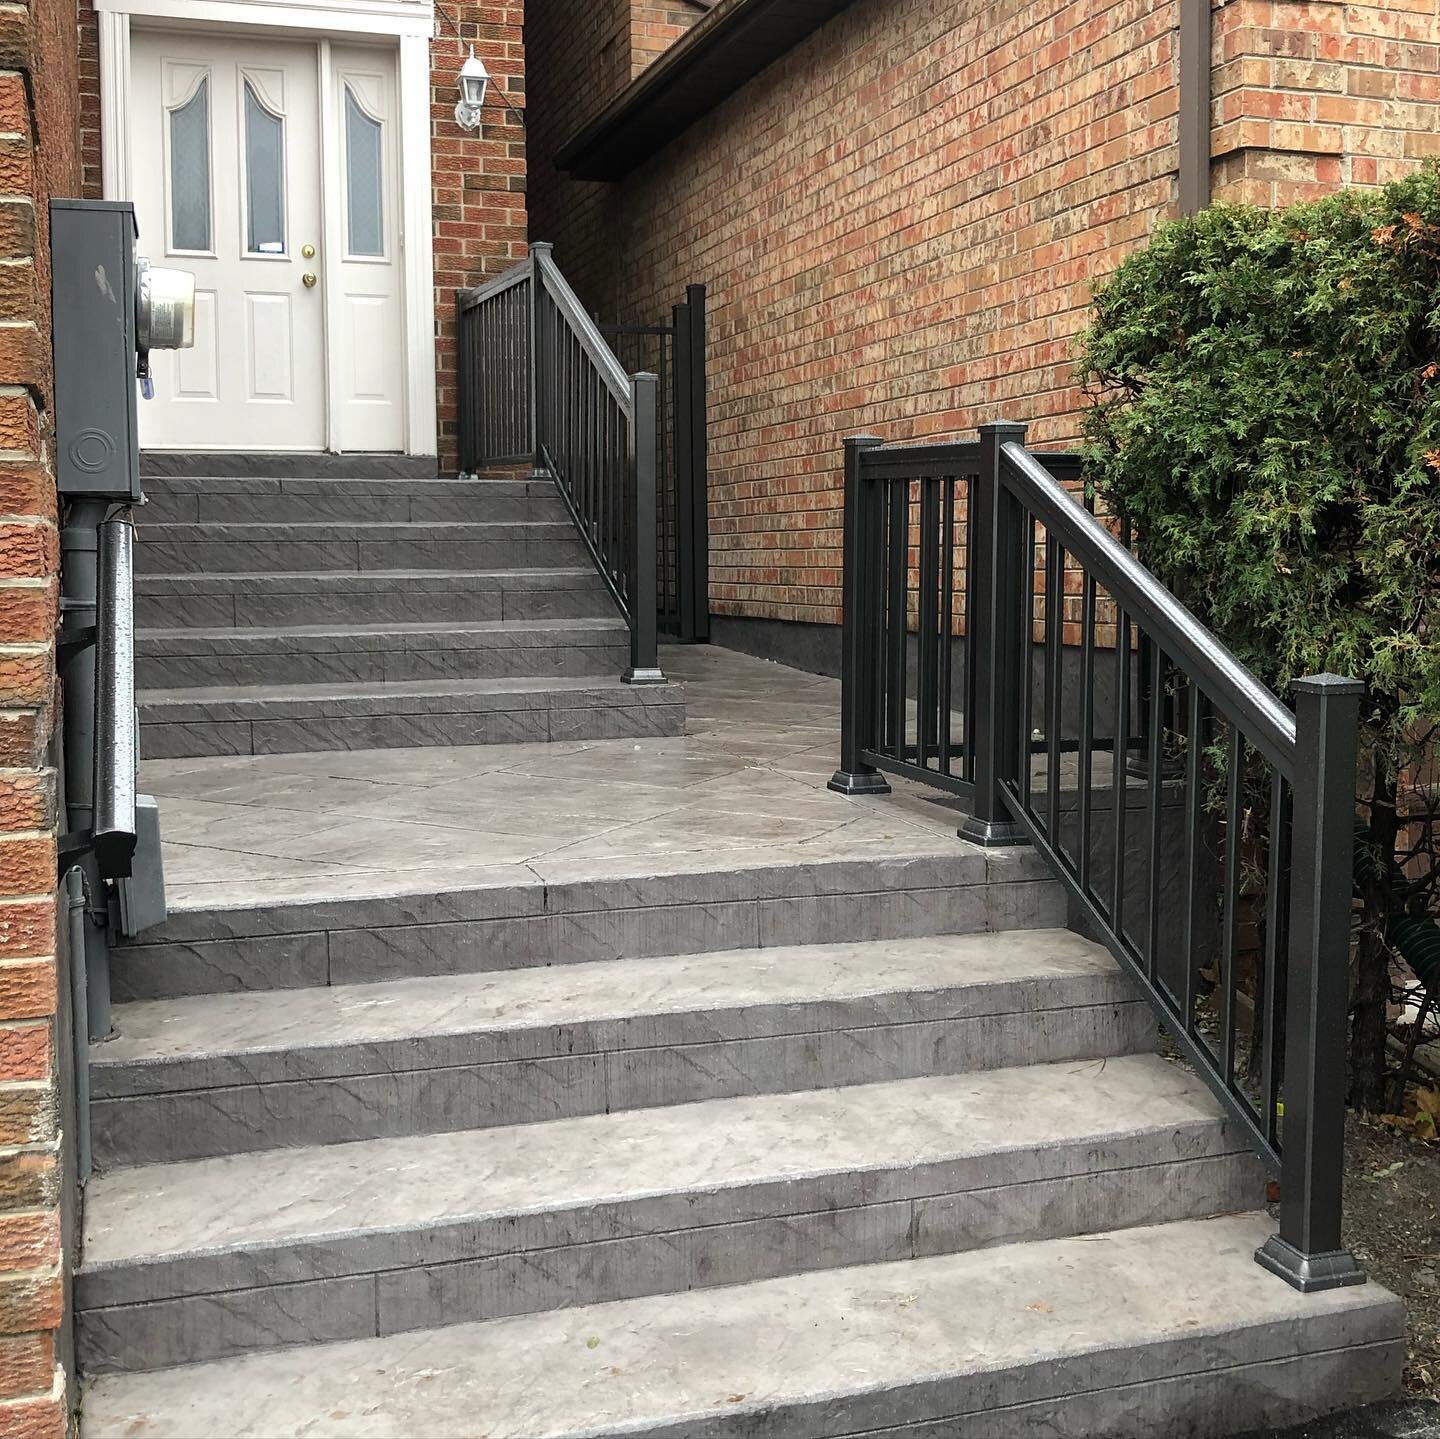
(593, 1342)
(1041, 1308)
(1384, 1173)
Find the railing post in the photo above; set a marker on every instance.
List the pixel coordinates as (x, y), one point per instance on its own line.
(644, 656)
(684, 479)
(541, 248)
(464, 400)
(699, 465)
(992, 627)
(1308, 1252)
(859, 684)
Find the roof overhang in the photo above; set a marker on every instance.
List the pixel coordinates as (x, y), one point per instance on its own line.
(724, 49)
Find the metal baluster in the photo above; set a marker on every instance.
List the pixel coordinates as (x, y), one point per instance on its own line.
(896, 578)
(644, 447)
(1155, 776)
(927, 693)
(1194, 818)
(1054, 658)
(1273, 977)
(1118, 796)
(1234, 842)
(1085, 754)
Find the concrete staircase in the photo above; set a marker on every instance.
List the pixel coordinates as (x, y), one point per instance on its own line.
(834, 1147)
(292, 613)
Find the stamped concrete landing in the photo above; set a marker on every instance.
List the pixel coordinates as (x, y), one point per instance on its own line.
(745, 785)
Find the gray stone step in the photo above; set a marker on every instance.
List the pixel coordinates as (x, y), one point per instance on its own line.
(321, 653)
(378, 596)
(221, 1074)
(188, 1262)
(356, 545)
(564, 915)
(291, 719)
(187, 499)
(1166, 1330)
(159, 464)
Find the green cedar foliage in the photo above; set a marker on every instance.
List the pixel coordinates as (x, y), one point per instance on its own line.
(1266, 390)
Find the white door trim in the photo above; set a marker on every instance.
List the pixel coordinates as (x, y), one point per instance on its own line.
(411, 23)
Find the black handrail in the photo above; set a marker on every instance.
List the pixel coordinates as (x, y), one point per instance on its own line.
(978, 594)
(538, 381)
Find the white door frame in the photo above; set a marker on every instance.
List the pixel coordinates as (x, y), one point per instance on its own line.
(410, 23)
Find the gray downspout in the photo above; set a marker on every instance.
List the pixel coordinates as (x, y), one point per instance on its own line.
(1193, 64)
(75, 907)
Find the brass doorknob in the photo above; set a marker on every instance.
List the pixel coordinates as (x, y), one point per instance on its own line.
(308, 280)
(307, 252)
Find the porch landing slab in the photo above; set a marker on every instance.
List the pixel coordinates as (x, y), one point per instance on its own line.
(745, 786)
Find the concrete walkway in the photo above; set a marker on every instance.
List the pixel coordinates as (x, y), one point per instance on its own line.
(745, 785)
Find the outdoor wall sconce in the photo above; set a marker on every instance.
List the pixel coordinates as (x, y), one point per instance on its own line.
(474, 79)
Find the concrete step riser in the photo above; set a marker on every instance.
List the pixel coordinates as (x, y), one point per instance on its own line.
(293, 729)
(364, 943)
(499, 661)
(401, 604)
(171, 556)
(435, 1085)
(207, 1307)
(1170, 1330)
(508, 503)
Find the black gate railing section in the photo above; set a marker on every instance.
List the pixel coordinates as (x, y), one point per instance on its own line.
(676, 353)
(538, 382)
(1001, 643)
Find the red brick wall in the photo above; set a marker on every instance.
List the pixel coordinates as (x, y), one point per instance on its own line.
(39, 156)
(900, 221)
(478, 178)
(655, 25)
(1313, 95)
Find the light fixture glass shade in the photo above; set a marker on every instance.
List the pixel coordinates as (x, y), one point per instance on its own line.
(473, 80)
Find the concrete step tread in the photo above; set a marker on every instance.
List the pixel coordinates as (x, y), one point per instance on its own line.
(397, 485)
(309, 530)
(837, 1352)
(277, 579)
(248, 1202)
(396, 689)
(229, 634)
(162, 1045)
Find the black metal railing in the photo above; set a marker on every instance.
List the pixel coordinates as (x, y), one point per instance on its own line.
(676, 354)
(538, 381)
(494, 393)
(1002, 644)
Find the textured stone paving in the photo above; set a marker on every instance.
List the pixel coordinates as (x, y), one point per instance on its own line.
(746, 783)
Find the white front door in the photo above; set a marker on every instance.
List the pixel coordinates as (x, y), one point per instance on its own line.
(268, 168)
(363, 276)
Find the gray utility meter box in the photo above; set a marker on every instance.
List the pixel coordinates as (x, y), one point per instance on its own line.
(93, 283)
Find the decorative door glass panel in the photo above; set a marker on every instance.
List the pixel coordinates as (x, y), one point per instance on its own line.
(190, 171)
(364, 180)
(264, 177)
